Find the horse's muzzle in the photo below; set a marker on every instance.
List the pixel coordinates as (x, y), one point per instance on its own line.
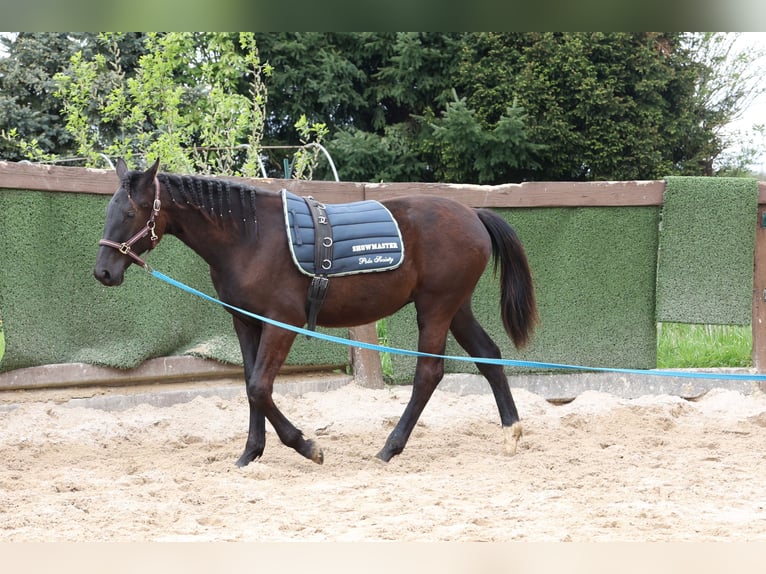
(107, 278)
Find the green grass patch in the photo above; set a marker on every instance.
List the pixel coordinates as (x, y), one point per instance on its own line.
(703, 346)
(386, 366)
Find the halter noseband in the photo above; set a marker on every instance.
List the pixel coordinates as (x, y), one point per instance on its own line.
(148, 229)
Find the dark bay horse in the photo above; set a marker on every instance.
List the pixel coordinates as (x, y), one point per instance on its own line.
(239, 231)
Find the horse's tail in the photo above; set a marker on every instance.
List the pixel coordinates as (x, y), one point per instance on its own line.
(517, 294)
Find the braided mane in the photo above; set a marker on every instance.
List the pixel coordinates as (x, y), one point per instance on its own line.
(217, 199)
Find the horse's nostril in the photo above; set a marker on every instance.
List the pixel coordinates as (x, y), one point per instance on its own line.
(102, 274)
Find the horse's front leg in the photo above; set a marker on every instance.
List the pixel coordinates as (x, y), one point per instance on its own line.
(249, 335)
(274, 346)
(256, 438)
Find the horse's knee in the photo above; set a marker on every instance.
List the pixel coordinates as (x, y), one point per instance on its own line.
(438, 372)
(259, 396)
(430, 372)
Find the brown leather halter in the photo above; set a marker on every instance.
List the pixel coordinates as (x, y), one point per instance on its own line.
(148, 229)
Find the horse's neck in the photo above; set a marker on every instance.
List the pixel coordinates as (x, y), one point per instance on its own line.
(200, 235)
(218, 238)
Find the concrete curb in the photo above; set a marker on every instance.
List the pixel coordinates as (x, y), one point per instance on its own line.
(557, 388)
(164, 369)
(167, 398)
(166, 395)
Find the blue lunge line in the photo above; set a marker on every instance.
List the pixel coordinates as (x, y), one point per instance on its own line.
(504, 362)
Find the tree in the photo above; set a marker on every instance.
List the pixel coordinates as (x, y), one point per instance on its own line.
(29, 107)
(459, 107)
(569, 106)
(368, 88)
(471, 150)
(605, 106)
(27, 104)
(613, 105)
(182, 103)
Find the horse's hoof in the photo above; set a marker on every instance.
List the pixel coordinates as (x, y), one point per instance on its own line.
(246, 459)
(512, 435)
(242, 461)
(384, 455)
(316, 453)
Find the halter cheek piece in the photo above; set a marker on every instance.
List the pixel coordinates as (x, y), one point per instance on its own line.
(148, 229)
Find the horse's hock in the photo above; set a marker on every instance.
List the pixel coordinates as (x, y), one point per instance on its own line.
(596, 269)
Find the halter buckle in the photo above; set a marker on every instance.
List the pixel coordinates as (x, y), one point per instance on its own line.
(152, 235)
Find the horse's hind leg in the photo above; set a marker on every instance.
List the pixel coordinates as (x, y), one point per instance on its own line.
(477, 343)
(428, 372)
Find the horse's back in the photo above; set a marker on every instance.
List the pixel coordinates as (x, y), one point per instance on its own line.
(443, 239)
(435, 226)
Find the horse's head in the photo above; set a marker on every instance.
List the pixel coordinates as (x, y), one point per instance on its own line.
(133, 223)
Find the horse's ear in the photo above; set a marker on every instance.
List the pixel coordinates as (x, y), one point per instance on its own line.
(145, 183)
(122, 168)
(151, 173)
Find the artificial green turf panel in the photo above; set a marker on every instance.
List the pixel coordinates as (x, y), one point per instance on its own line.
(54, 310)
(594, 275)
(707, 238)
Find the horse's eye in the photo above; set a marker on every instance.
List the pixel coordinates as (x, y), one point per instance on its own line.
(130, 214)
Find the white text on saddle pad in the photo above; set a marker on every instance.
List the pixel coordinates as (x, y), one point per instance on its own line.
(374, 246)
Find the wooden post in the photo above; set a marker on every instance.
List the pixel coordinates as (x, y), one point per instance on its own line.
(759, 293)
(365, 362)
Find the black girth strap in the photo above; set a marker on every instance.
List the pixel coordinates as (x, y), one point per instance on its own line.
(322, 260)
